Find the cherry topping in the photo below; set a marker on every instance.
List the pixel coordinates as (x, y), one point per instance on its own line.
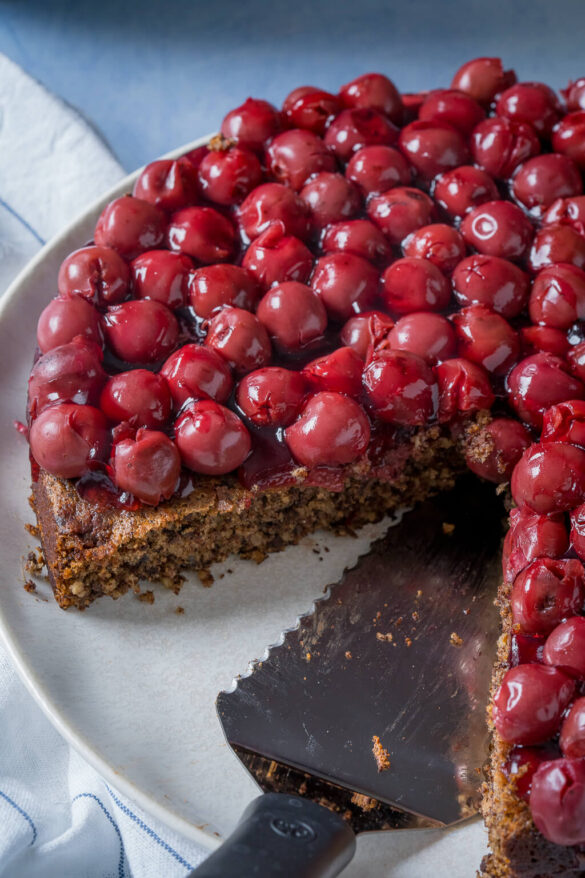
(168, 183)
(270, 202)
(70, 373)
(373, 91)
(365, 331)
(95, 273)
(211, 439)
(538, 382)
(203, 233)
(360, 237)
(572, 739)
(578, 530)
(415, 285)
(240, 338)
(130, 226)
(565, 647)
(529, 703)
(330, 198)
(310, 108)
(332, 430)
(575, 356)
(545, 593)
(483, 79)
(196, 372)
(400, 211)
(498, 228)
(226, 176)
(554, 244)
(65, 438)
(557, 801)
(491, 281)
(251, 124)
(340, 371)
(531, 102)
(214, 286)
(543, 339)
(354, 129)
(375, 169)
(532, 536)
(486, 338)
(495, 450)
(567, 212)
(400, 387)
(430, 336)
(550, 477)
(463, 387)
(432, 147)
(141, 331)
(544, 178)
(574, 95)
(272, 396)
(460, 190)
(293, 315)
(163, 276)
(453, 107)
(522, 764)
(274, 257)
(525, 648)
(64, 318)
(295, 155)
(148, 466)
(557, 297)
(140, 397)
(499, 145)
(196, 156)
(568, 137)
(565, 422)
(345, 283)
(440, 244)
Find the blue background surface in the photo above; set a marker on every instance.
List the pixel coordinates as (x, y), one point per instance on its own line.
(152, 75)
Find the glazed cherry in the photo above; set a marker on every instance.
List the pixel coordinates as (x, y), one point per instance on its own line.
(148, 467)
(538, 382)
(531, 102)
(454, 108)
(557, 801)
(491, 281)
(553, 244)
(532, 536)
(360, 237)
(251, 124)
(197, 372)
(274, 257)
(64, 318)
(412, 102)
(568, 137)
(130, 226)
(332, 430)
(400, 388)
(373, 91)
(522, 764)
(270, 202)
(578, 530)
(415, 285)
(430, 336)
(565, 422)
(70, 373)
(227, 175)
(544, 178)
(295, 155)
(576, 359)
(498, 228)
(545, 593)
(432, 147)
(572, 739)
(330, 198)
(214, 286)
(97, 273)
(565, 647)
(460, 190)
(366, 331)
(168, 183)
(495, 450)
(196, 156)
(499, 145)
(400, 211)
(310, 108)
(543, 339)
(486, 338)
(345, 283)
(293, 315)
(483, 79)
(557, 297)
(272, 397)
(525, 648)
(567, 212)
(463, 387)
(440, 244)
(355, 128)
(375, 169)
(140, 397)
(163, 276)
(529, 703)
(550, 477)
(203, 233)
(240, 338)
(211, 439)
(66, 438)
(340, 371)
(141, 331)
(574, 95)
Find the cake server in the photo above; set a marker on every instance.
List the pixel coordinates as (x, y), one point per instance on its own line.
(370, 714)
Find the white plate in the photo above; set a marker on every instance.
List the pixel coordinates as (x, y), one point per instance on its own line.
(132, 686)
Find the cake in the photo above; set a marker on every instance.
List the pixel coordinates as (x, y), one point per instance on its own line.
(329, 311)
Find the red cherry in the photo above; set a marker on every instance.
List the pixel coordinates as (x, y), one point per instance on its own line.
(196, 156)
(578, 530)
(440, 244)
(557, 297)
(373, 91)
(532, 536)
(432, 147)
(460, 190)
(491, 281)
(270, 202)
(545, 593)
(162, 276)
(140, 397)
(415, 285)
(330, 198)
(496, 449)
(345, 283)
(572, 739)
(70, 373)
(196, 372)
(529, 703)
(565, 647)
(142, 331)
(550, 477)
(483, 79)
(310, 108)
(576, 359)
(65, 438)
(544, 178)
(130, 226)
(365, 331)
(211, 439)
(531, 102)
(538, 382)
(574, 95)
(567, 212)
(375, 169)
(203, 233)
(525, 648)
(295, 155)
(554, 244)
(226, 176)
(522, 764)
(214, 286)
(486, 338)
(400, 211)
(401, 388)
(251, 124)
(358, 127)
(95, 273)
(412, 104)
(568, 137)
(360, 237)
(148, 466)
(564, 422)
(340, 371)
(272, 396)
(463, 387)
(240, 338)
(168, 183)
(499, 145)
(498, 228)
(274, 257)
(332, 430)
(557, 801)
(64, 318)
(430, 336)
(453, 107)
(543, 339)
(293, 315)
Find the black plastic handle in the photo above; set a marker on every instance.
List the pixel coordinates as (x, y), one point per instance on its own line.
(282, 836)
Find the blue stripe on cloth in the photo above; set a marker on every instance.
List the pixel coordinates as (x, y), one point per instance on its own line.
(22, 221)
(121, 869)
(21, 811)
(149, 831)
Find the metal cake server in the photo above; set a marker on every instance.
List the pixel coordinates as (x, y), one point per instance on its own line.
(400, 653)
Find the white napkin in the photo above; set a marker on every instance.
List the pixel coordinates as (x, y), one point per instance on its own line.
(59, 818)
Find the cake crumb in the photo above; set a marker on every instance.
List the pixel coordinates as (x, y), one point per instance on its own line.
(147, 597)
(35, 561)
(308, 656)
(257, 556)
(419, 593)
(387, 637)
(179, 610)
(366, 803)
(455, 639)
(448, 528)
(33, 531)
(348, 654)
(408, 641)
(415, 616)
(29, 586)
(219, 143)
(205, 578)
(381, 755)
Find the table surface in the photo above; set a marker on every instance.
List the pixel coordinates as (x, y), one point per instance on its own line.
(155, 74)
